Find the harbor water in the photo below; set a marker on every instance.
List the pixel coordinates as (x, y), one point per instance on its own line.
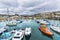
(36, 34)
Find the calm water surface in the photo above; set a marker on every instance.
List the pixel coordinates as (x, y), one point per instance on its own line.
(36, 34)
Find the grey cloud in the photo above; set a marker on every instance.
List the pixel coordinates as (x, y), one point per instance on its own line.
(30, 7)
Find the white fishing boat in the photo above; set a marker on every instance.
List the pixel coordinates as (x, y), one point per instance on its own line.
(19, 35)
(44, 22)
(2, 30)
(28, 31)
(57, 29)
(11, 23)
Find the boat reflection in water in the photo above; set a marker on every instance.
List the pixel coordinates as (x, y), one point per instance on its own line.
(51, 37)
(27, 37)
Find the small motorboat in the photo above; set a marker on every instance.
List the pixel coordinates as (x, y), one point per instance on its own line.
(19, 21)
(19, 35)
(57, 29)
(46, 31)
(28, 31)
(36, 20)
(6, 36)
(44, 22)
(14, 31)
(3, 30)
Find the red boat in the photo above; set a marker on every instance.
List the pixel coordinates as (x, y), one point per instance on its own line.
(46, 31)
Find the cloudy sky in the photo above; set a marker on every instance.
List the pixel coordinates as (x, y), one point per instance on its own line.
(28, 7)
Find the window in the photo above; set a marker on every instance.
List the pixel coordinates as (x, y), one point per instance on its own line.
(16, 37)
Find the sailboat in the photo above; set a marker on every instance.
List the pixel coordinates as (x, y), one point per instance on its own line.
(12, 22)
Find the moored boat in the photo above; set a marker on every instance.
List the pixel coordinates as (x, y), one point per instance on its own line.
(14, 31)
(44, 22)
(19, 21)
(6, 36)
(11, 23)
(3, 30)
(36, 20)
(57, 29)
(19, 35)
(46, 31)
(28, 31)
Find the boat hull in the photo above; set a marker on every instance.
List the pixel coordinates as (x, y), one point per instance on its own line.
(11, 25)
(55, 30)
(3, 31)
(46, 33)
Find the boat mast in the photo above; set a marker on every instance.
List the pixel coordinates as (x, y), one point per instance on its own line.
(8, 13)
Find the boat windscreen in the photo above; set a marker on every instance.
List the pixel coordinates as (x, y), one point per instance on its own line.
(16, 37)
